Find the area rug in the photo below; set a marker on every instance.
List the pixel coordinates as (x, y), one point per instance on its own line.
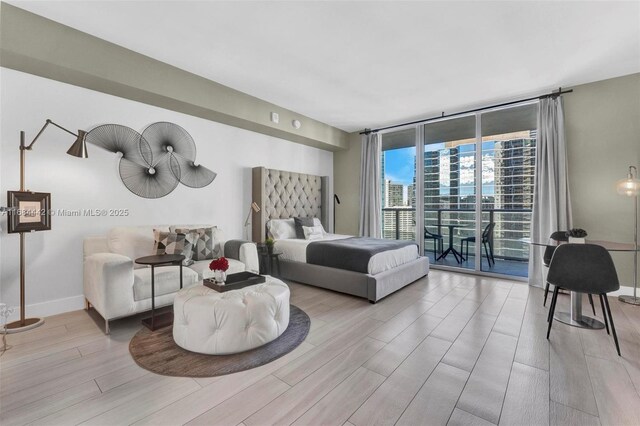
(158, 353)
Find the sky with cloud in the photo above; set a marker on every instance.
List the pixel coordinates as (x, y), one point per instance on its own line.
(399, 165)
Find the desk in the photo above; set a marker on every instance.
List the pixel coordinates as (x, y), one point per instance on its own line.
(575, 317)
(451, 248)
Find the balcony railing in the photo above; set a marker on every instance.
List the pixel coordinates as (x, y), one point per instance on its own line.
(512, 227)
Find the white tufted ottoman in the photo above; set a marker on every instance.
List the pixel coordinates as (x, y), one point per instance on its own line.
(209, 322)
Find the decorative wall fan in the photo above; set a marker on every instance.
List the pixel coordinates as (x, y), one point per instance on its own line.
(154, 162)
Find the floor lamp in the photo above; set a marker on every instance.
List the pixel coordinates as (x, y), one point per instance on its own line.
(78, 149)
(631, 187)
(335, 200)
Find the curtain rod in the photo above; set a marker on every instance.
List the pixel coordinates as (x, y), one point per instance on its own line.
(548, 95)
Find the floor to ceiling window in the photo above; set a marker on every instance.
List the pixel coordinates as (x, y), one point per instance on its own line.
(399, 185)
(466, 198)
(509, 148)
(449, 189)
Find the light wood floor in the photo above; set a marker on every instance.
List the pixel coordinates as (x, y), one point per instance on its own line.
(449, 349)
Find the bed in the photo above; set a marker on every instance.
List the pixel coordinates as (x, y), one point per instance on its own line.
(368, 268)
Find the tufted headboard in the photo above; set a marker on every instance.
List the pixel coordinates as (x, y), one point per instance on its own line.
(282, 195)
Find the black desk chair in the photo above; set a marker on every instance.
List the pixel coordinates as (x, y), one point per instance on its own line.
(585, 268)
(487, 243)
(546, 260)
(437, 241)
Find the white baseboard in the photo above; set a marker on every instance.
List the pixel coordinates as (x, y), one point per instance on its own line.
(624, 291)
(52, 307)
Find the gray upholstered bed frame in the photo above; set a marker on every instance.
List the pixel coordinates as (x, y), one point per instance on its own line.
(282, 195)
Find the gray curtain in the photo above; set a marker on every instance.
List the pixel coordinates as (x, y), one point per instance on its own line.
(371, 186)
(551, 201)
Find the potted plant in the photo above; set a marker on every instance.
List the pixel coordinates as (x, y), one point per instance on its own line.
(269, 242)
(219, 267)
(576, 235)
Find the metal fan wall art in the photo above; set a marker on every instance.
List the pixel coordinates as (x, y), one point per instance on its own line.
(154, 162)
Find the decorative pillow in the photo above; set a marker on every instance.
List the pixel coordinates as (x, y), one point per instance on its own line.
(312, 232)
(203, 243)
(281, 229)
(300, 222)
(316, 222)
(173, 243)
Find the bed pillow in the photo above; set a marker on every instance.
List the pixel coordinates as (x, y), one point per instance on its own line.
(316, 222)
(300, 222)
(173, 243)
(281, 229)
(312, 233)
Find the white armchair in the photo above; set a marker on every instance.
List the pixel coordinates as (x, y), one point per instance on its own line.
(118, 287)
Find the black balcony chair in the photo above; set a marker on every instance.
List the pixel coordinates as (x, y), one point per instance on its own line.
(487, 243)
(437, 241)
(546, 260)
(585, 268)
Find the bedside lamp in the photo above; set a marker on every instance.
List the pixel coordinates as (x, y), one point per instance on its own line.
(253, 208)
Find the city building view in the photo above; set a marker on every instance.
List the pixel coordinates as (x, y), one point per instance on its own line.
(508, 164)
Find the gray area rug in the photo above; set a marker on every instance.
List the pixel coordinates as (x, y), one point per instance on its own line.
(158, 353)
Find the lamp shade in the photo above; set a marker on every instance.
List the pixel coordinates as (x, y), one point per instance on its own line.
(79, 147)
(629, 186)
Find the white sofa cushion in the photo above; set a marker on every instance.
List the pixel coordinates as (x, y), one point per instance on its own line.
(133, 242)
(209, 322)
(202, 268)
(167, 280)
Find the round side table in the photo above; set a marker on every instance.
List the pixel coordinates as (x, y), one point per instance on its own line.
(268, 261)
(157, 261)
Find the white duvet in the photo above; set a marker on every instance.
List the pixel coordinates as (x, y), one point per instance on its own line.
(296, 250)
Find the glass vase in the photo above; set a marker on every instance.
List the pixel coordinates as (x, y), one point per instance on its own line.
(219, 276)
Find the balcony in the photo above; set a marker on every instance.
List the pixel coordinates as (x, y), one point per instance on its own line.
(510, 251)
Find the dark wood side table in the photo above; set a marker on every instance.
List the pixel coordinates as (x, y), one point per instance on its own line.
(267, 262)
(166, 318)
(274, 258)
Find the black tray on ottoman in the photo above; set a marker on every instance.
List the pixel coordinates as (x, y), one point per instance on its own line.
(235, 281)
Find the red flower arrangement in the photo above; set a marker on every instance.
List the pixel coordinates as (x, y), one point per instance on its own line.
(220, 264)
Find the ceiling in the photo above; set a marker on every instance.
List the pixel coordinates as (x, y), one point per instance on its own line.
(368, 64)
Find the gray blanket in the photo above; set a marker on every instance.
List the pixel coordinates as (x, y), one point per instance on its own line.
(352, 254)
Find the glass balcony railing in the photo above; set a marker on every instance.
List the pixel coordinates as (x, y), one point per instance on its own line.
(512, 227)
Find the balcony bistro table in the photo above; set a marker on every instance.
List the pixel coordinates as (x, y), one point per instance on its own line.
(451, 249)
(575, 317)
(166, 318)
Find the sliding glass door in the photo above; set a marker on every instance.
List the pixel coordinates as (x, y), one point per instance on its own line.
(509, 150)
(449, 190)
(462, 188)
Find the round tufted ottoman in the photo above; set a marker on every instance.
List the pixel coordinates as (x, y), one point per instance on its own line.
(209, 322)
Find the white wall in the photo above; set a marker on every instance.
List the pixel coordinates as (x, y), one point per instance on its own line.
(54, 268)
